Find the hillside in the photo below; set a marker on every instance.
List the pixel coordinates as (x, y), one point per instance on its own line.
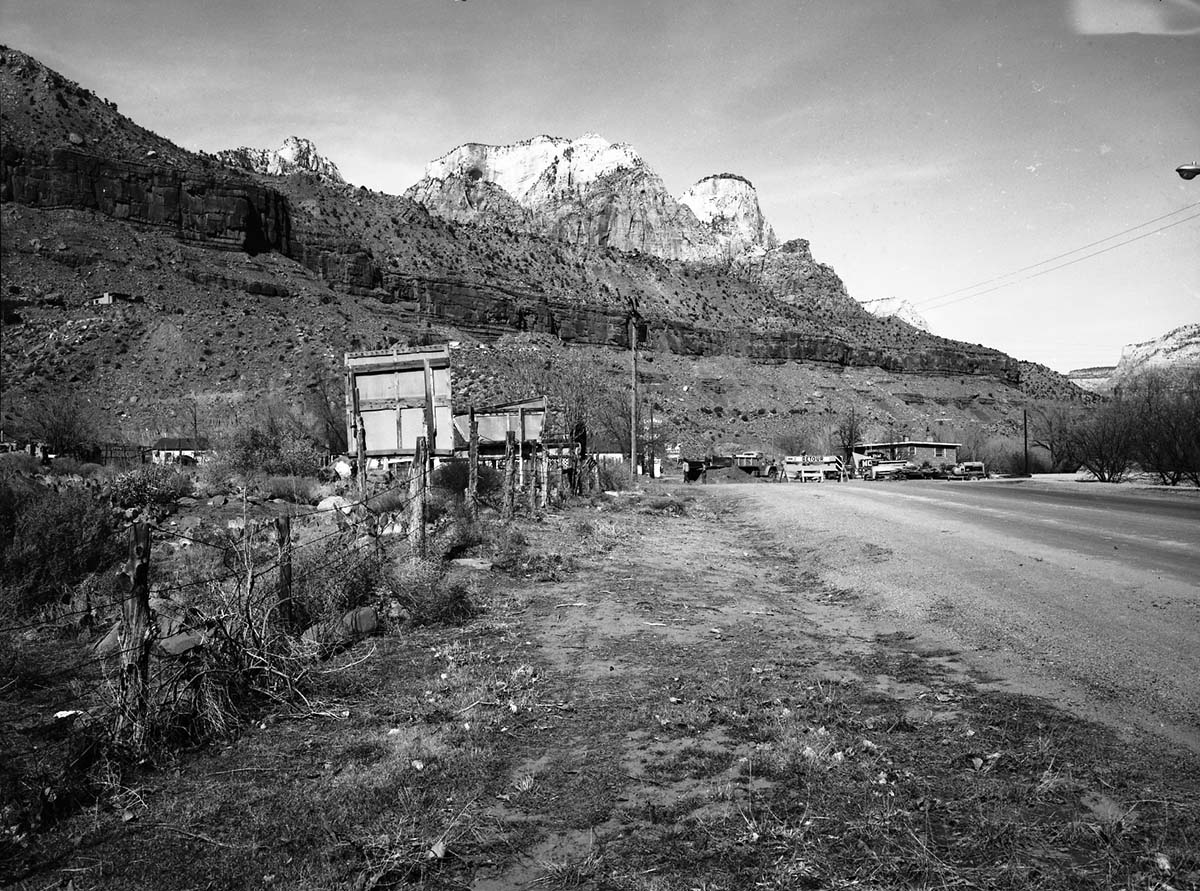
(252, 285)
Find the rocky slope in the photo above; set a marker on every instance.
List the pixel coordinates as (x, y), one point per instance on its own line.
(296, 155)
(251, 285)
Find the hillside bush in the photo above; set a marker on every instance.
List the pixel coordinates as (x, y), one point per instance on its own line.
(271, 450)
(51, 541)
(148, 484)
(19, 464)
(297, 489)
(452, 476)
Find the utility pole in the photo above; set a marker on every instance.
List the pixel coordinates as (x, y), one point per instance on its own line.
(633, 397)
(1025, 421)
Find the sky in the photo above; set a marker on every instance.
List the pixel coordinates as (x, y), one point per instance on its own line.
(957, 154)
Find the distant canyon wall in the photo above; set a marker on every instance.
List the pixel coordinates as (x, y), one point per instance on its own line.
(239, 214)
(223, 212)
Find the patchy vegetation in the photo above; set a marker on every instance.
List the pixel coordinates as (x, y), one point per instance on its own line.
(664, 714)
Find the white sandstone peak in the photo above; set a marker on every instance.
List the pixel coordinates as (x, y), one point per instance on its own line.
(296, 155)
(897, 307)
(728, 203)
(533, 169)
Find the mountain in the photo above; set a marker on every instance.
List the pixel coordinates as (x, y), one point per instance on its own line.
(589, 191)
(296, 155)
(243, 288)
(1178, 348)
(728, 205)
(898, 308)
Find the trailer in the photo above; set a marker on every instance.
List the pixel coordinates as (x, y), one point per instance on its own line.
(753, 463)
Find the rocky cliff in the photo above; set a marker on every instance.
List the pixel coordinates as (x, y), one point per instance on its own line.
(558, 272)
(589, 191)
(64, 147)
(728, 205)
(296, 155)
(1178, 348)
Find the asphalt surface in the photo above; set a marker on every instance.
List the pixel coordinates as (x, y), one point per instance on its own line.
(1087, 594)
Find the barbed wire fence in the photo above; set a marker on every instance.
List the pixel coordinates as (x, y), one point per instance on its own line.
(255, 612)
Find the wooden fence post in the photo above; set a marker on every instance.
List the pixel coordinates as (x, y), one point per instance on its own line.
(532, 476)
(360, 445)
(135, 638)
(544, 477)
(473, 468)
(510, 476)
(283, 527)
(416, 497)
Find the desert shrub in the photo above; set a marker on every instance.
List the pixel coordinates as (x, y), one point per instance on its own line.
(269, 449)
(333, 580)
(51, 541)
(68, 466)
(614, 476)
(430, 597)
(243, 663)
(19, 464)
(148, 484)
(1014, 462)
(298, 489)
(452, 476)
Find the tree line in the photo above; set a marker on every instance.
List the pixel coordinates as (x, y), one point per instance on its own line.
(1151, 423)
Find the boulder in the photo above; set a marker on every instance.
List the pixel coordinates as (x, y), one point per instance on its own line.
(334, 502)
(181, 643)
(361, 621)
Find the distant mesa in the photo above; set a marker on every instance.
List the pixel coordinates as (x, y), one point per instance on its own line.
(1178, 348)
(1096, 379)
(591, 191)
(296, 155)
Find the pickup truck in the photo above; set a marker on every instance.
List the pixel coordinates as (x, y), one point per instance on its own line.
(968, 470)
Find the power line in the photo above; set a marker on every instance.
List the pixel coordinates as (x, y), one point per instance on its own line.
(934, 299)
(1059, 266)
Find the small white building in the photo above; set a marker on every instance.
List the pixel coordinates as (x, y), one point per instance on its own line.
(183, 450)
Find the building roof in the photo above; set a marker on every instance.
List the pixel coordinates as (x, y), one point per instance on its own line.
(907, 442)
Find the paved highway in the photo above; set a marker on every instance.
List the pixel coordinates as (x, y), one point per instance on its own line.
(1088, 594)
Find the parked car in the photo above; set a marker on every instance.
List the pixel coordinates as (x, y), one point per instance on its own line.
(968, 470)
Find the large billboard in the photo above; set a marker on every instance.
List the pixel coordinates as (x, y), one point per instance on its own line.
(400, 394)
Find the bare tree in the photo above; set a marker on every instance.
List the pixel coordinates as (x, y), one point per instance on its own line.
(849, 430)
(1104, 442)
(67, 425)
(1164, 407)
(1052, 432)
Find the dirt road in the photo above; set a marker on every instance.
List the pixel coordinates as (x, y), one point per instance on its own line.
(1088, 597)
